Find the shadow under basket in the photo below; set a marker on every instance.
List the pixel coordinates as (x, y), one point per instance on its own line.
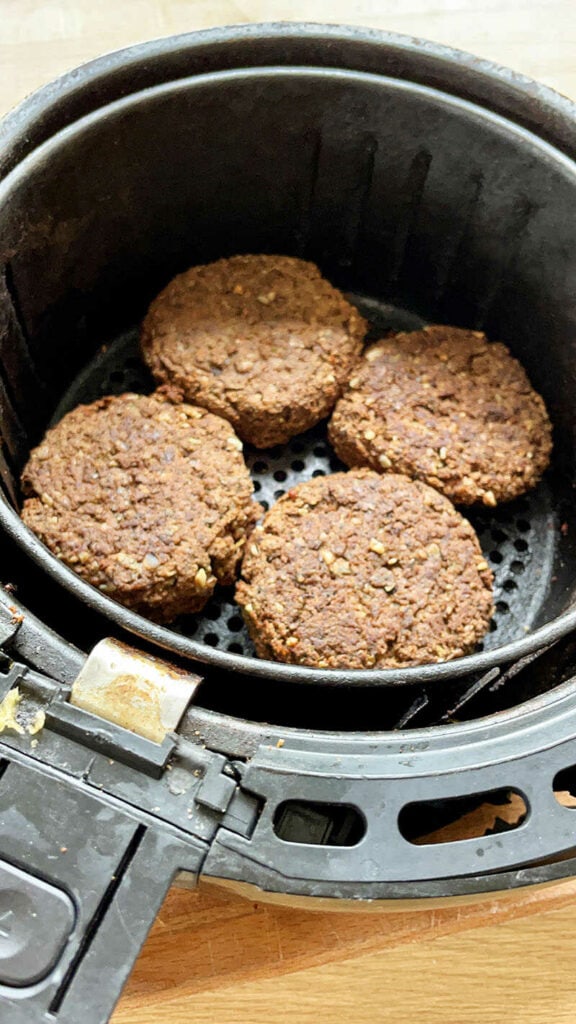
(430, 187)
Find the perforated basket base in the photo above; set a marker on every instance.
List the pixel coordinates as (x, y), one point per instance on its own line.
(518, 539)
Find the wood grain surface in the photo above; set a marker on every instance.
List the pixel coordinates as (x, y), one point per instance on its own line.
(214, 957)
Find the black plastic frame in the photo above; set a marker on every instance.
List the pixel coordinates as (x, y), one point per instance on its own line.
(239, 771)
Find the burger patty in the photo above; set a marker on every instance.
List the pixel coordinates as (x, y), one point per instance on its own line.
(362, 570)
(147, 500)
(446, 406)
(264, 341)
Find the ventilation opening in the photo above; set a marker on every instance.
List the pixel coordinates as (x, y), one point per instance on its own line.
(433, 822)
(564, 786)
(319, 824)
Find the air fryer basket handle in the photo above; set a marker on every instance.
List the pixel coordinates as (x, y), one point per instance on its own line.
(74, 913)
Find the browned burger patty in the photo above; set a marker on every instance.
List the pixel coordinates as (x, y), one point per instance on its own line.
(149, 501)
(359, 570)
(445, 406)
(264, 341)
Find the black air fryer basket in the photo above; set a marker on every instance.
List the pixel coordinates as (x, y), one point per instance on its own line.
(431, 187)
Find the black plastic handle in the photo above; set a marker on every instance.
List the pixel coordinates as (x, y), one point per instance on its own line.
(81, 884)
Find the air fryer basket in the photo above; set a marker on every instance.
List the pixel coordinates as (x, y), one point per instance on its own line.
(422, 203)
(431, 188)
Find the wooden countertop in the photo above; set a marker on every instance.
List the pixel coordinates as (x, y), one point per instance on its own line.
(215, 958)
